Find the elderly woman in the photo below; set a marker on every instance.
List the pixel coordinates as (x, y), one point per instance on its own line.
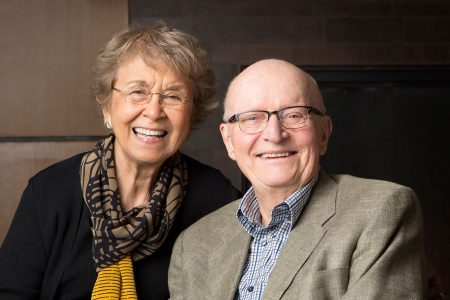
(102, 224)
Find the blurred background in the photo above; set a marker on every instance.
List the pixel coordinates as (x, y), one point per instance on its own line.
(383, 67)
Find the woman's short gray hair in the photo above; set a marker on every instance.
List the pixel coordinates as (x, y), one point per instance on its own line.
(180, 50)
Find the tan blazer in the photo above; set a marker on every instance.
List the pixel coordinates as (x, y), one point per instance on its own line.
(356, 239)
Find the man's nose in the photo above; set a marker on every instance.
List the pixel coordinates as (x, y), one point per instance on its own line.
(274, 130)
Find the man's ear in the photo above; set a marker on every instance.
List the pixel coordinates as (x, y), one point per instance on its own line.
(327, 128)
(224, 131)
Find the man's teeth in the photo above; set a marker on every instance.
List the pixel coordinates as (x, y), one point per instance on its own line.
(148, 132)
(272, 155)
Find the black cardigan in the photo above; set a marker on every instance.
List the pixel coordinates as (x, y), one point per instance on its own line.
(47, 251)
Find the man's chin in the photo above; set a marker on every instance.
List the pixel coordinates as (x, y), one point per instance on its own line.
(279, 181)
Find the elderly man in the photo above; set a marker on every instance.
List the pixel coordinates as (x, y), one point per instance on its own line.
(298, 233)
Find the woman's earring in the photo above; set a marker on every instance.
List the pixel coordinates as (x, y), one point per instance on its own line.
(107, 125)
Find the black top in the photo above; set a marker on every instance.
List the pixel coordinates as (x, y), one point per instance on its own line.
(47, 253)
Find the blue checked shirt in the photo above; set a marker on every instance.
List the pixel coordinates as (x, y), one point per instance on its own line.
(266, 241)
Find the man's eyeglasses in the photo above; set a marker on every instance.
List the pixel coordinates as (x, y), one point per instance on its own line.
(143, 96)
(290, 117)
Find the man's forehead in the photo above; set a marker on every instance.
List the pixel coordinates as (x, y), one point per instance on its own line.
(265, 89)
(270, 75)
(269, 81)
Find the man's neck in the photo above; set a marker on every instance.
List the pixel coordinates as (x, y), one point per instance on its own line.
(268, 199)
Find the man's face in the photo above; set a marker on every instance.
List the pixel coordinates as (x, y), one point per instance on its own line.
(277, 159)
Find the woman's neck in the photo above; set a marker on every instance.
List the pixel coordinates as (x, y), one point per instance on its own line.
(134, 183)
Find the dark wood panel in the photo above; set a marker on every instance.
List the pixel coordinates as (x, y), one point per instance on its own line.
(397, 129)
(393, 125)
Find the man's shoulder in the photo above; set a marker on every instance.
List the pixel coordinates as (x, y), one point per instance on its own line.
(366, 185)
(372, 193)
(215, 223)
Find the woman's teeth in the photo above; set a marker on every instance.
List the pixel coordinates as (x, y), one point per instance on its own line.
(149, 132)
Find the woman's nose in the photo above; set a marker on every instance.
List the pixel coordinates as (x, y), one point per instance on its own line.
(153, 108)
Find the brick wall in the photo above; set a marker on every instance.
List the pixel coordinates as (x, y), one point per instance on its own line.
(311, 31)
(305, 32)
(314, 33)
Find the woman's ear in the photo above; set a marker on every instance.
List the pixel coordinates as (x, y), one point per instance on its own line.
(224, 131)
(106, 117)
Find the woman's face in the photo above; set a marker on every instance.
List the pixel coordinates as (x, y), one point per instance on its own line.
(150, 132)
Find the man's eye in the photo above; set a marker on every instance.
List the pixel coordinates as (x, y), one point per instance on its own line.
(251, 118)
(294, 115)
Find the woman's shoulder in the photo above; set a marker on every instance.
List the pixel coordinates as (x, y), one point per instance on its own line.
(55, 192)
(209, 178)
(198, 166)
(203, 172)
(58, 183)
(208, 188)
(60, 170)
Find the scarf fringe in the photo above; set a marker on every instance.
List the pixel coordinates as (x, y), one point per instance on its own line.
(116, 282)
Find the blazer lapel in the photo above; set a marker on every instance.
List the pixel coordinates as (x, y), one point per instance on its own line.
(228, 260)
(304, 237)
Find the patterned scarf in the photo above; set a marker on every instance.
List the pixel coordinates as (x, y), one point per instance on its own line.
(119, 236)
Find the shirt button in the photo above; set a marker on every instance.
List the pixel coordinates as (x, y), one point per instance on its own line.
(264, 242)
(250, 289)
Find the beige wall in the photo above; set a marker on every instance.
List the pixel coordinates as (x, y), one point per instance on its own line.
(20, 161)
(47, 48)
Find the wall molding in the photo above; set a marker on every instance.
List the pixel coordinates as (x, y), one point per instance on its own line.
(78, 138)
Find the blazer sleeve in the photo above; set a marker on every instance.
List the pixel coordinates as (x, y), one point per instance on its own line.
(389, 260)
(175, 270)
(23, 258)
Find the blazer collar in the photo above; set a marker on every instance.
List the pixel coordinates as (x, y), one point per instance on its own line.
(304, 237)
(229, 257)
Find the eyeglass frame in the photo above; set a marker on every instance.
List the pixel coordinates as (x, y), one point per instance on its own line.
(184, 100)
(235, 118)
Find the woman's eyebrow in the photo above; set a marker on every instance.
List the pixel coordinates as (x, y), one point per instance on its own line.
(176, 87)
(137, 82)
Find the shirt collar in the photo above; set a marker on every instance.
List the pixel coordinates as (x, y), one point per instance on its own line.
(249, 214)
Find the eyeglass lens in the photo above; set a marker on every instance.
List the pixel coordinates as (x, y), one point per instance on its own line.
(256, 121)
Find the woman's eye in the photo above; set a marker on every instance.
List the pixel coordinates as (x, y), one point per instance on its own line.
(138, 95)
(174, 97)
(138, 92)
